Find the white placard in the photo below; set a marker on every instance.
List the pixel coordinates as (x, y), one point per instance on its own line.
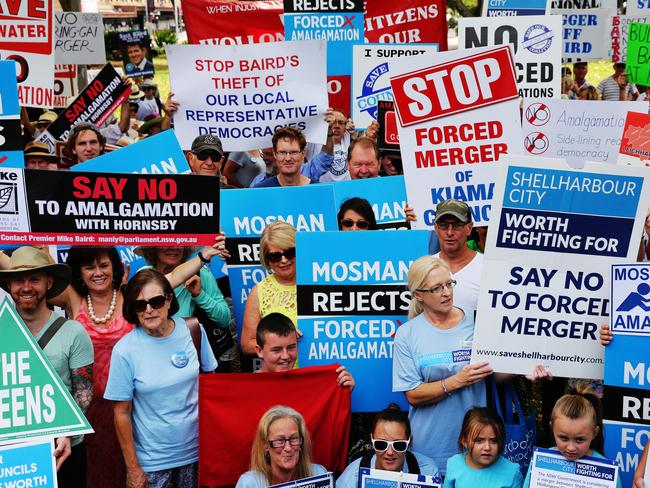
(550, 468)
(79, 38)
(379, 478)
(638, 7)
(586, 34)
(242, 94)
(558, 5)
(617, 28)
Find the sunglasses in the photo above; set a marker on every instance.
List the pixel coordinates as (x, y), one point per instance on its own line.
(381, 445)
(361, 224)
(156, 302)
(203, 155)
(276, 257)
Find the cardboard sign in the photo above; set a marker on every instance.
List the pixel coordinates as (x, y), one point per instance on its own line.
(351, 300)
(233, 21)
(585, 33)
(638, 7)
(407, 22)
(587, 131)
(242, 94)
(79, 38)
(136, 53)
(635, 142)
(94, 104)
(371, 78)
(465, 114)
(11, 151)
(34, 401)
(638, 54)
(41, 470)
(338, 23)
(339, 91)
(388, 136)
(618, 28)
(379, 478)
(95, 209)
(550, 468)
(557, 5)
(537, 45)
(65, 84)
(501, 8)
(308, 208)
(545, 284)
(320, 481)
(27, 37)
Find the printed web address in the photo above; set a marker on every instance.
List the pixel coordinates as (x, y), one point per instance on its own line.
(540, 356)
(150, 240)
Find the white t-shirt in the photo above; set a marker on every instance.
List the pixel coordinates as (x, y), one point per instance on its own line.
(468, 283)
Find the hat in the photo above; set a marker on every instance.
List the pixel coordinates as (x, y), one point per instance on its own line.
(455, 208)
(150, 121)
(136, 94)
(141, 250)
(29, 259)
(47, 117)
(40, 149)
(619, 65)
(207, 142)
(149, 84)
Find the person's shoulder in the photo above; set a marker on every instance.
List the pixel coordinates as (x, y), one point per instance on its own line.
(507, 466)
(268, 183)
(408, 327)
(318, 469)
(252, 479)
(127, 342)
(427, 465)
(456, 461)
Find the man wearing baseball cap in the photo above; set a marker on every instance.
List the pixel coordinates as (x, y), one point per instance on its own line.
(38, 156)
(30, 278)
(206, 155)
(453, 226)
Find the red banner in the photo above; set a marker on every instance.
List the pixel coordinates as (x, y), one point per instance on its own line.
(455, 86)
(338, 91)
(407, 22)
(233, 21)
(231, 405)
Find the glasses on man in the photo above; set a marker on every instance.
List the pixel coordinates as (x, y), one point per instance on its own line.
(381, 445)
(349, 223)
(204, 155)
(438, 288)
(284, 154)
(155, 302)
(454, 225)
(278, 443)
(276, 257)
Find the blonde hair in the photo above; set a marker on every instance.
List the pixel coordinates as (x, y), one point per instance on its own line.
(580, 403)
(279, 234)
(261, 462)
(417, 276)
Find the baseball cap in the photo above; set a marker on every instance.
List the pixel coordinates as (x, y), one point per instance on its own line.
(207, 142)
(455, 208)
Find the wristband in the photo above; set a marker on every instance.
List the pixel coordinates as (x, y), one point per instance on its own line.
(444, 387)
(202, 258)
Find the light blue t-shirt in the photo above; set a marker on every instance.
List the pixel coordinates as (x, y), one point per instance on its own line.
(255, 479)
(424, 354)
(350, 477)
(594, 454)
(501, 474)
(160, 375)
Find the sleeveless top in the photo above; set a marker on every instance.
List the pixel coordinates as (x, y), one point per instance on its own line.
(275, 297)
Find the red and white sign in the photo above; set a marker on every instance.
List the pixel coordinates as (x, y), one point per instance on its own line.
(233, 21)
(65, 84)
(338, 92)
(618, 27)
(406, 22)
(456, 86)
(26, 36)
(458, 112)
(635, 143)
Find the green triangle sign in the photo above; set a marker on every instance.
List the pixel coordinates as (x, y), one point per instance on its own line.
(34, 402)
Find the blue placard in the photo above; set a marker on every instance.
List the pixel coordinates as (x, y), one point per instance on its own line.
(499, 8)
(585, 467)
(11, 154)
(351, 300)
(624, 443)
(245, 214)
(28, 464)
(387, 196)
(159, 154)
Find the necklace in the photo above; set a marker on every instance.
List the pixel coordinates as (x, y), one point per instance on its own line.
(111, 309)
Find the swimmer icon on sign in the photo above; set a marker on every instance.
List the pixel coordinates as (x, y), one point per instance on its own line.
(536, 143)
(537, 114)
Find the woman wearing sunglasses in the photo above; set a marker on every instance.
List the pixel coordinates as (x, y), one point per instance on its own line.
(281, 450)
(390, 436)
(277, 292)
(356, 214)
(153, 381)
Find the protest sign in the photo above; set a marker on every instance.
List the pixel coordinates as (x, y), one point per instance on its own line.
(638, 7)
(65, 84)
(635, 141)
(637, 62)
(41, 470)
(94, 104)
(387, 137)
(557, 5)
(502, 8)
(537, 43)
(442, 127)
(585, 33)
(11, 154)
(407, 22)
(386, 195)
(587, 131)
(234, 21)
(94, 209)
(320, 481)
(79, 38)
(545, 284)
(136, 53)
(243, 93)
(27, 37)
(351, 300)
(340, 24)
(618, 26)
(550, 468)
(33, 400)
(339, 91)
(156, 155)
(379, 478)
(371, 78)
(307, 208)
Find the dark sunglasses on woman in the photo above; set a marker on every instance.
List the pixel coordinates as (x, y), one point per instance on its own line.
(276, 257)
(361, 224)
(155, 302)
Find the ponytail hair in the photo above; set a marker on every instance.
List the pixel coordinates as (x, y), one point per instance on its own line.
(582, 402)
(417, 276)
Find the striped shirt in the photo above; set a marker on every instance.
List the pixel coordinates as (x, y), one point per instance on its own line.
(610, 90)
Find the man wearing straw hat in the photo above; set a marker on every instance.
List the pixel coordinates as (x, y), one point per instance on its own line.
(30, 278)
(38, 156)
